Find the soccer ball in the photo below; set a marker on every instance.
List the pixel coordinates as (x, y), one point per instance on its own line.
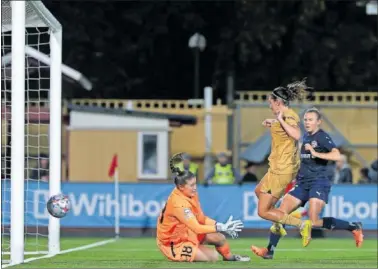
(58, 205)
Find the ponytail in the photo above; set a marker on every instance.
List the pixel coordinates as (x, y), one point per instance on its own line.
(180, 176)
(297, 90)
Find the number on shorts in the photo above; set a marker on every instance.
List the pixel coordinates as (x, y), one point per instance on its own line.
(162, 213)
(173, 250)
(187, 252)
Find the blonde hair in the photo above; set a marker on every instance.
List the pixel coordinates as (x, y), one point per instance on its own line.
(297, 90)
(316, 111)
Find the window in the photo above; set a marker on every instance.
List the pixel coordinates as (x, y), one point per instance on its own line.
(149, 154)
(153, 155)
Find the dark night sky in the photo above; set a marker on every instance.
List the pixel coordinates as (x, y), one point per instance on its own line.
(140, 49)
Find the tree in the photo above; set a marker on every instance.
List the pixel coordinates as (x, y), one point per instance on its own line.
(139, 49)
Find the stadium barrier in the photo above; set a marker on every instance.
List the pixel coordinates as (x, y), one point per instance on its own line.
(93, 204)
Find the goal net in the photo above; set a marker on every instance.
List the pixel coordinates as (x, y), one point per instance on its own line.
(31, 129)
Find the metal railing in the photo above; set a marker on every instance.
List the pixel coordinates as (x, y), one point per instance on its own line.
(318, 98)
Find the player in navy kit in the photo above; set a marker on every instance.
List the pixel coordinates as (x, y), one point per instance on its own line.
(313, 185)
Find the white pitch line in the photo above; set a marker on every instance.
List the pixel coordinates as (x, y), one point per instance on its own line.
(326, 249)
(97, 244)
(88, 246)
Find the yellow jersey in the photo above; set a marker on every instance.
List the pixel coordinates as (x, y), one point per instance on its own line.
(284, 156)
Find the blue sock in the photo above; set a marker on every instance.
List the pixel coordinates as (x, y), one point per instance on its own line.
(338, 224)
(273, 241)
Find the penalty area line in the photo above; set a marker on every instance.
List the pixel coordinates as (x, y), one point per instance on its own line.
(93, 245)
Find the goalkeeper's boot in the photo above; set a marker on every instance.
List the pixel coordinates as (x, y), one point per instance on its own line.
(277, 228)
(305, 231)
(238, 258)
(358, 234)
(262, 252)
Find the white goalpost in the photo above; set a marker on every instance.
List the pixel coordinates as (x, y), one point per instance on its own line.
(31, 101)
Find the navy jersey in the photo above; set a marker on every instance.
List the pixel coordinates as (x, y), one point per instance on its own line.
(314, 169)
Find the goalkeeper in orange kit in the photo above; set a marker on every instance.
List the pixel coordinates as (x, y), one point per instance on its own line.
(183, 230)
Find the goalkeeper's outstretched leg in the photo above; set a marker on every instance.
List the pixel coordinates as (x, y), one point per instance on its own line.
(200, 251)
(221, 246)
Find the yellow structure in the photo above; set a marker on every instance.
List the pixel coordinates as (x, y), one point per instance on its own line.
(357, 124)
(196, 144)
(141, 141)
(92, 151)
(353, 114)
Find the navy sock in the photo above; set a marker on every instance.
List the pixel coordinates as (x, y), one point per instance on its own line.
(273, 241)
(338, 224)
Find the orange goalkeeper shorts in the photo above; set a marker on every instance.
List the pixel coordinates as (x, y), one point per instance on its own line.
(180, 252)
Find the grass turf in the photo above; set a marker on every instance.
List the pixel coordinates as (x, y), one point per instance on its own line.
(143, 253)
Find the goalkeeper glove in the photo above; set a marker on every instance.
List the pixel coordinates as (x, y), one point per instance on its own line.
(231, 227)
(233, 235)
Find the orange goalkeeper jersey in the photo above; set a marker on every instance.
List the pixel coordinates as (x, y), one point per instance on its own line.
(182, 220)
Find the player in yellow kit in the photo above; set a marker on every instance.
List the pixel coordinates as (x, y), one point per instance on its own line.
(183, 230)
(283, 160)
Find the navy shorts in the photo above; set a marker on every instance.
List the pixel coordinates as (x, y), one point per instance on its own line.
(305, 193)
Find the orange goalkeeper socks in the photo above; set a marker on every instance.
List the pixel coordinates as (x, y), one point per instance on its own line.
(225, 251)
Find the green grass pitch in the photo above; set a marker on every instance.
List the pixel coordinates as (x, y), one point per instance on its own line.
(143, 253)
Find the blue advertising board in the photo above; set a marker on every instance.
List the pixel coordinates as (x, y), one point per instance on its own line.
(93, 204)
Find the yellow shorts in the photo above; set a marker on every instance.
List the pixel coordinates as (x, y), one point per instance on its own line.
(275, 184)
(181, 252)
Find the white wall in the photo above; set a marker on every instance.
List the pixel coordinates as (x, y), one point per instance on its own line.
(96, 121)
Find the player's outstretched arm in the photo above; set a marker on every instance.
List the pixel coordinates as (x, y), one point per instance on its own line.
(333, 155)
(290, 126)
(268, 123)
(202, 218)
(232, 227)
(186, 216)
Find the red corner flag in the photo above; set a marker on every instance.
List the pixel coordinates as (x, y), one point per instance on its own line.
(113, 166)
